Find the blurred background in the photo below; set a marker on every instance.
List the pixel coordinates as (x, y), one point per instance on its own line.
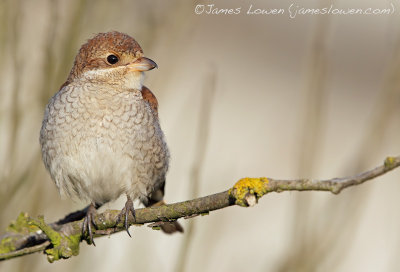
(240, 95)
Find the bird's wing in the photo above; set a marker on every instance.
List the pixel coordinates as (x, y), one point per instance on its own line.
(156, 198)
(150, 98)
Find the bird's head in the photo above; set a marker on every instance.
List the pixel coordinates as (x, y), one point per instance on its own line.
(112, 58)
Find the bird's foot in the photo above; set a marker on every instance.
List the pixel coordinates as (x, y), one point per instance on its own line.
(125, 213)
(88, 222)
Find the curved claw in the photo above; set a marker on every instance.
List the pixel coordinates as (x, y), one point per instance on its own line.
(125, 213)
(88, 222)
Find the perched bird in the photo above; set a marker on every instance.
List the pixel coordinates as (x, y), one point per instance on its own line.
(101, 135)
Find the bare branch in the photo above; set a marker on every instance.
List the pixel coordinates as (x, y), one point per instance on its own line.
(61, 239)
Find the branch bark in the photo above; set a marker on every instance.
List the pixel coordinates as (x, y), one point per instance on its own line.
(61, 239)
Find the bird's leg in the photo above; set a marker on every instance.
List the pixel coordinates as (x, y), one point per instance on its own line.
(125, 213)
(89, 221)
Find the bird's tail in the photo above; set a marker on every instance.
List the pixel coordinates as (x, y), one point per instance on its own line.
(167, 227)
(171, 227)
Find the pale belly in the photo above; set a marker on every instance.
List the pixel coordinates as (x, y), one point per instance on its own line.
(97, 157)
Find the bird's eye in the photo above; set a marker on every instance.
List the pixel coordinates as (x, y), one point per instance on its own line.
(112, 59)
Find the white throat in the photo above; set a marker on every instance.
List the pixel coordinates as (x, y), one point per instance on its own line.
(134, 80)
(130, 80)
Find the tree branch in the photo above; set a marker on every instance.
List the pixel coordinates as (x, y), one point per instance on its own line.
(61, 239)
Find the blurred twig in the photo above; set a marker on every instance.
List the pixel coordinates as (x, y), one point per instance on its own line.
(310, 138)
(65, 237)
(201, 147)
(387, 105)
(54, 75)
(371, 142)
(16, 177)
(14, 37)
(11, 37)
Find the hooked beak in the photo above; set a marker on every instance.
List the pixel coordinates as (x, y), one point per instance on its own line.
(142, 64)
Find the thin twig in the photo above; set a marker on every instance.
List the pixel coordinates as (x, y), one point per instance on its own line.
(25, 251)
(245, 192)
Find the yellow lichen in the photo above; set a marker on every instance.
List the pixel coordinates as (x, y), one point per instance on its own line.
(64, 246)
(248, 186)
(21, 225)
(389, 162)
(7, 244)
(16, 229)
